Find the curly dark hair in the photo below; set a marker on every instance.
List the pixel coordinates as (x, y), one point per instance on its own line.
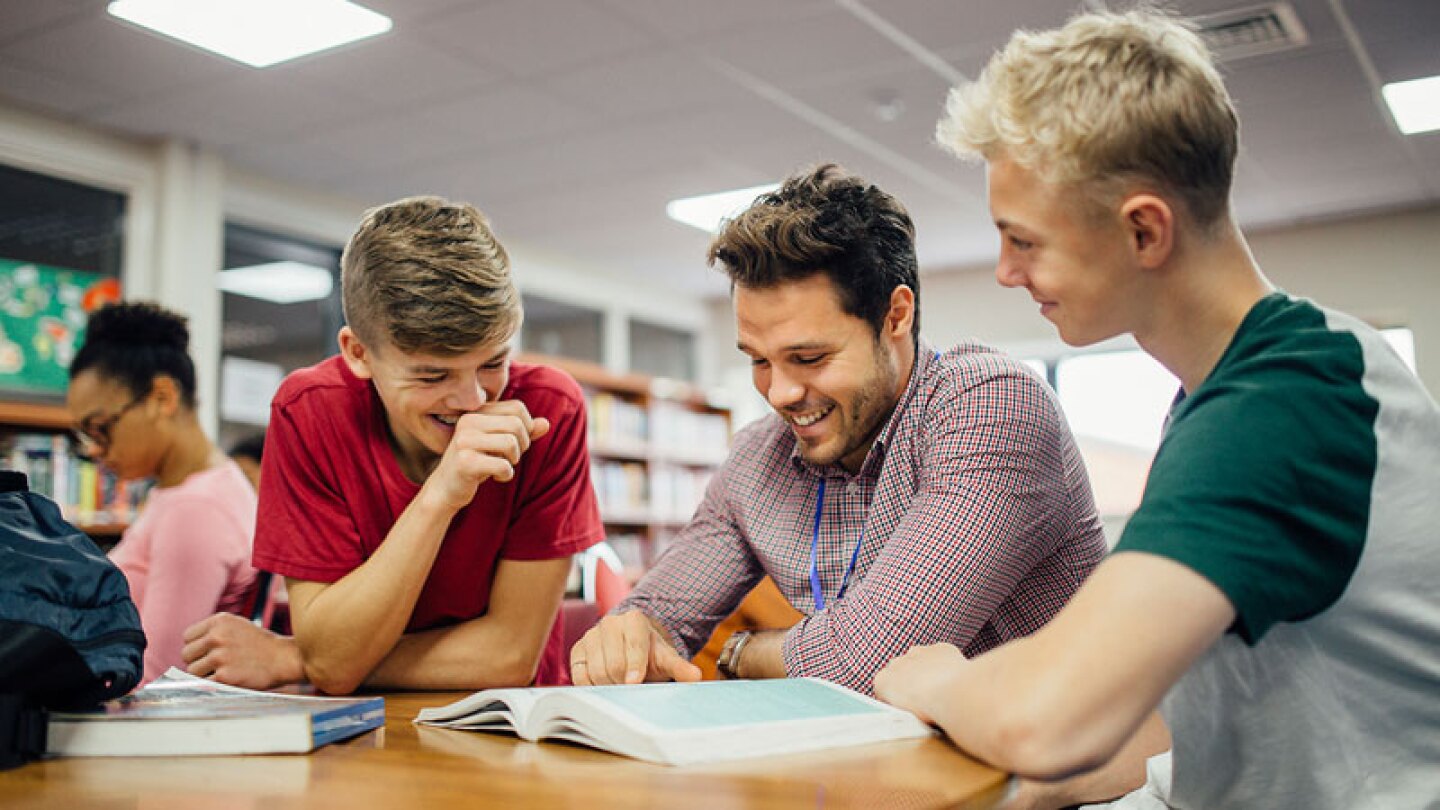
(825, 220)
(131, 342)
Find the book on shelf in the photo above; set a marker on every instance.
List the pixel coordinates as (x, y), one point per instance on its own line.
(86, 493)
(179, 714)
(686, 723)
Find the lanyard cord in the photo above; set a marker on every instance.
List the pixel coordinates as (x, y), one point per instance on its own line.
(816, 590)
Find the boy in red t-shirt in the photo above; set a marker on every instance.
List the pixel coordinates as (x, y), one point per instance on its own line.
(421, 494)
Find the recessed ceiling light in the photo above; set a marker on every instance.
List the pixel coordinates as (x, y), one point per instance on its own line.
(1414, 104)
(259, 33)
(279, 282)
(706, 211)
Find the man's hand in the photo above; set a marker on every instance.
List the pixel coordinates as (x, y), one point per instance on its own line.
(487, 444)
(627, 648)
(229, 649)
(919, 677)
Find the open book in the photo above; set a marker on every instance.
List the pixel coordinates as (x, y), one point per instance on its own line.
(686, 723)
(179, 714)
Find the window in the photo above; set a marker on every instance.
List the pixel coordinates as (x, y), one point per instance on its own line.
(263, 339)
(1402, 340)
(661, 351)
(1116, 403)
(560, 329)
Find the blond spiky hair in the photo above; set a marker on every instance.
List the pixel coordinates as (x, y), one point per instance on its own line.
(1108, 101)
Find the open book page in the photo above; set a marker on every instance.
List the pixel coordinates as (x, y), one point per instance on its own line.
(492, 708)
(686, 723)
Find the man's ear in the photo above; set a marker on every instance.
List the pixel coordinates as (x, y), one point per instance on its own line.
(901, 317)
(1149, 223)
(356, 354)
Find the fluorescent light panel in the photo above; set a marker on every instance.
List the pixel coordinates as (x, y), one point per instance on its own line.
(1414, 104)
(259, 33)
(279, 282)
(707, 210)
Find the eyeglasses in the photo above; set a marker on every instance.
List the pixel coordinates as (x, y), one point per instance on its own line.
(94, 431)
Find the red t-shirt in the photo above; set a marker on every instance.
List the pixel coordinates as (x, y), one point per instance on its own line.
(331, 489)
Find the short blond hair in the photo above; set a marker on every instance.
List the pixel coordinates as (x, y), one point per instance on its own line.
(1105, 102)
(428, 275)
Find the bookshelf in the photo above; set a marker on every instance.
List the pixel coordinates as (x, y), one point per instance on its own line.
(35, 440)
(654, 445)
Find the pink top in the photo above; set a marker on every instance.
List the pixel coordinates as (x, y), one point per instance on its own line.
(187, 556)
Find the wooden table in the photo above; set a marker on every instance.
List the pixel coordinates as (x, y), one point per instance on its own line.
(403, 765)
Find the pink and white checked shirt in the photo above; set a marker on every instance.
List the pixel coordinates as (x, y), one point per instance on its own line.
(977, 517)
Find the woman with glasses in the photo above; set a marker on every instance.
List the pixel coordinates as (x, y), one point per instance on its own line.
(132, 397)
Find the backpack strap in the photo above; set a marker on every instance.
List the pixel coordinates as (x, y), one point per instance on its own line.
(23, 727)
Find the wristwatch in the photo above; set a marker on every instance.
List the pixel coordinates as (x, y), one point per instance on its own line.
(728, 663)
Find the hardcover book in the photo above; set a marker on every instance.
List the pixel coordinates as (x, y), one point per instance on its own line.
(179, 714)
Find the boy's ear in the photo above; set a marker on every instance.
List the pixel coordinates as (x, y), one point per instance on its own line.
(1149, 223)
(357, 355)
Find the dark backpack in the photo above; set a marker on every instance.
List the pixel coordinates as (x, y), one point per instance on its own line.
(70, 635)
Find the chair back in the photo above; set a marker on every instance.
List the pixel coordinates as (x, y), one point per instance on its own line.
(602, 578)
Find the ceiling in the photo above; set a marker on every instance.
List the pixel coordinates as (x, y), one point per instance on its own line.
(572, 122)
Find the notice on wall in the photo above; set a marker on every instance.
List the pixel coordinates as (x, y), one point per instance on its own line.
(246, 388)
(43, 311)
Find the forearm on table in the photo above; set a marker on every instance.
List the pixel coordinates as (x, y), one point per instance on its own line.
(1068, 698)
(502, 647)
(1122, 774)
(478, 654)
(346, 628)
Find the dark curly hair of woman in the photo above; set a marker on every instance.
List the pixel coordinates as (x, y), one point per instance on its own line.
(134, 341)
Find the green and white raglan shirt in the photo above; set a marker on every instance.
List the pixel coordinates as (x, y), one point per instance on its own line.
(1302, 478)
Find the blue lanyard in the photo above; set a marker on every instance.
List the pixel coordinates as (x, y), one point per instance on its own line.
(815, 589)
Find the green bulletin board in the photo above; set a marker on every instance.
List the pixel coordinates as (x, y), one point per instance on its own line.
(42, 322)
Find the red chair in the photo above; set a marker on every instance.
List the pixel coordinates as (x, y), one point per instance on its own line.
(602, 586)
(271, 606)
(579, 616)
(602, 577)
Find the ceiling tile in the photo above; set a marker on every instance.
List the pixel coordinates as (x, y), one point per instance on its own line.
(648, 84)
(843, 45)
(525, 38)
(393, 70)
(691, 22)
(107, 53)
(24, 19)
(41, 90)
(449, 130)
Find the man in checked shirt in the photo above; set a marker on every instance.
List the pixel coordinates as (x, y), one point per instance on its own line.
(898, 495)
